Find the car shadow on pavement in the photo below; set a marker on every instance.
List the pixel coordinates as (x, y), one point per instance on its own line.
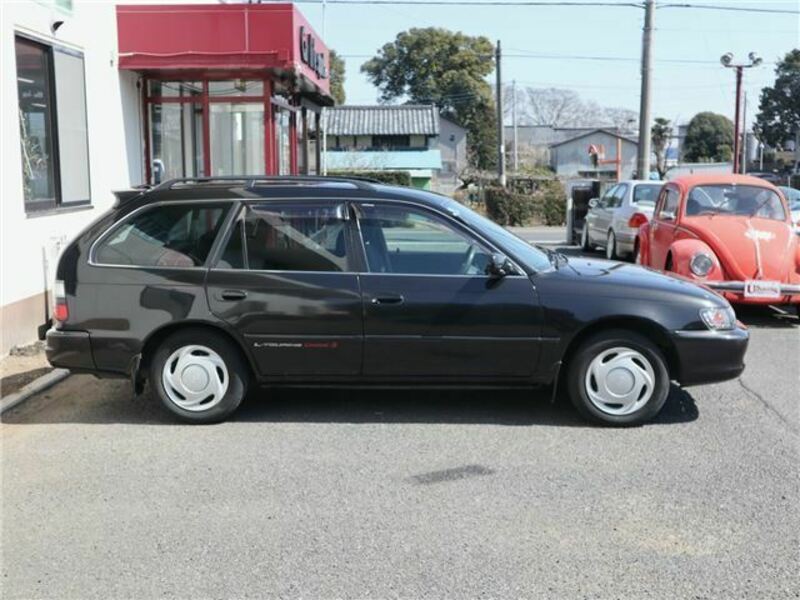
(473, 407)
(110, 402)
(766, 317)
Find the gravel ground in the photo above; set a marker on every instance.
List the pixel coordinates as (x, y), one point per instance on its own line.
(22, 366)
(323, 494)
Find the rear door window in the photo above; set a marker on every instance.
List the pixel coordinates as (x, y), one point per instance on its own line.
(296, 237)
(646, 195)
(167, 235)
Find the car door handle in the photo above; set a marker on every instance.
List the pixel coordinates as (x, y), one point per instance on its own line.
(233, 295)
(388, 299)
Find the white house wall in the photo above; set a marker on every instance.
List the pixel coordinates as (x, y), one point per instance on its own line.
(30, 243)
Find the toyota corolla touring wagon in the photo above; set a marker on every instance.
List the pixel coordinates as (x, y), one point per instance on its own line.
(203, 288)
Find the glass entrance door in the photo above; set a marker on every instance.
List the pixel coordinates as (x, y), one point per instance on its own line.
(237, 138)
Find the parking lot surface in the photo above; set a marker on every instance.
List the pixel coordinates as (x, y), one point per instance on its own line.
(373, 494)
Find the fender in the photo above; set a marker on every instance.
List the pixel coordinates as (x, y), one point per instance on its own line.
(682, 252)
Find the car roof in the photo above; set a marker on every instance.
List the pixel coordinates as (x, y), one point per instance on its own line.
(689, 181)
(284, 188)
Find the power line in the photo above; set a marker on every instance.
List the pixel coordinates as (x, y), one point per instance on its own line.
(562, 4)
(748, 9)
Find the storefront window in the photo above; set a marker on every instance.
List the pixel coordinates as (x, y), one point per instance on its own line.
(174, 89)
(237, 139)
(302, 137)
(236, 87)
(36, 123)
(53, 125)
(282, 140)
(312, 120)
(176, 140)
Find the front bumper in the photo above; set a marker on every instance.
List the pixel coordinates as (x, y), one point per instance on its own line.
(69, 350)
(786, 289)
(709, 356)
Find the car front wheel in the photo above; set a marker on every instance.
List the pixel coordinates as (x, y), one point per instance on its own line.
(618, 377)
(199, 376)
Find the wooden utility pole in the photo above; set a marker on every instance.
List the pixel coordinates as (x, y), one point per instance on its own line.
(643, 155)
(501, 149)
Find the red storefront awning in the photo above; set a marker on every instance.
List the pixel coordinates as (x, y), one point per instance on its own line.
(222, 38)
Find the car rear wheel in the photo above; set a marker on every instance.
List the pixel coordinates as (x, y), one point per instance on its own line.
(611, 246)
(585, 245)
(618, 377)
(199, 376)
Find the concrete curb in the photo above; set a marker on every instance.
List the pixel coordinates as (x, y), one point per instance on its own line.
(34, 387)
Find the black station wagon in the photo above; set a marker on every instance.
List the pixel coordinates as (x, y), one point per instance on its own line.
(204, 287)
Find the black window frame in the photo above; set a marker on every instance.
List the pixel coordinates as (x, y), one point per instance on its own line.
(57, 204)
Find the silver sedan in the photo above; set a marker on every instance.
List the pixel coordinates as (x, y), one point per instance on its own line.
(607, 223)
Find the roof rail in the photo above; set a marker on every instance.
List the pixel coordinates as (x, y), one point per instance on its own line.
(361, 183)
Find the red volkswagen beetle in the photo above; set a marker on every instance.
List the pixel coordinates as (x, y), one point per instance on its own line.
(732, 233)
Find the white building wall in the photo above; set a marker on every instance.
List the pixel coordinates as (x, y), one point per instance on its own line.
(115, 153)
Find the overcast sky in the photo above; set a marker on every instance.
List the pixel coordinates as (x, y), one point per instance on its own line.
(680, 90)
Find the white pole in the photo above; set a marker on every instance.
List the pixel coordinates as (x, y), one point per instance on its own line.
(514, 121)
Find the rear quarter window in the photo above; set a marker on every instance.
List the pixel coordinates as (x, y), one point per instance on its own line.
(168, 235)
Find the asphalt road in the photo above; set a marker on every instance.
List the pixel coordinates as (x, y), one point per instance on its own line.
(344, 494)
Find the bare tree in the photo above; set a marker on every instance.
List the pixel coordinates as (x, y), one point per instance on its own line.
(551, 106)
(622, 119)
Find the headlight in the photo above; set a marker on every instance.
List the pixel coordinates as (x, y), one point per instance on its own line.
(718, 318)
(701, 264)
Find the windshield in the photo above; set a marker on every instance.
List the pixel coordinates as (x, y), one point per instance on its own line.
(793, 196)
(735, 200)
(646, 194)
(521, 249)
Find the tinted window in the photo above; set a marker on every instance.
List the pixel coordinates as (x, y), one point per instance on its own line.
(646, 194)
(174, 235)
(301, 237)
(403, 240)
(608, 198)
(737, 200)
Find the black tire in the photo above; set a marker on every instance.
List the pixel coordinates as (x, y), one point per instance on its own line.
(635, 258)
(611, 246)
(593, 347)
(238, 374)
(586, 245)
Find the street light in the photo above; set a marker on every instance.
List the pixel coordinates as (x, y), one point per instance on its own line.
(727, 61)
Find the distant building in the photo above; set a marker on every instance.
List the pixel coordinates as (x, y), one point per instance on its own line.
(570, 157)
(453, 146)
(535, 141)
(390, 138)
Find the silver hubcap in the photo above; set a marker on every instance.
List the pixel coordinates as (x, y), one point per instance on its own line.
(620, 381)
(195, 378)
(610, 243)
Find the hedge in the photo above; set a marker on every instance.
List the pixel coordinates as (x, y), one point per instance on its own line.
(388, 177)
(543, 201)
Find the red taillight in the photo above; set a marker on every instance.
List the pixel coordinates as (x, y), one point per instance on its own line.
(637, 220)
(60, 310)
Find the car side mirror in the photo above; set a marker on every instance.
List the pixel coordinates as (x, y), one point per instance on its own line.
(593, 203)
(499, 266)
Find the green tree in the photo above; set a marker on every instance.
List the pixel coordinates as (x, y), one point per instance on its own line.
(660, 135)
(336, 75)
(709, 137)
(446, 68)
(778, 118)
